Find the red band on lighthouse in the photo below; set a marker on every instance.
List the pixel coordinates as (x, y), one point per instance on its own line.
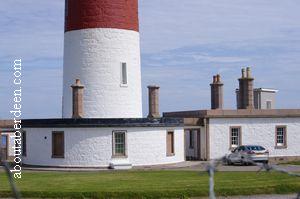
(119, 14)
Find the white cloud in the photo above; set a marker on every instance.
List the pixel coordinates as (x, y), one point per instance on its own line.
(33, 29)
(274, 64)
(173, 24)
(219, 59)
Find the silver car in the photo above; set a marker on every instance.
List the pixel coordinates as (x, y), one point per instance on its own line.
(248, 154)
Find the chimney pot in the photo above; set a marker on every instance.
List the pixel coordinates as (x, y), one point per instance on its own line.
(218, 78)
(214, 79)
(217, 93)
(245, 93)
(243, 73)
(248, 72)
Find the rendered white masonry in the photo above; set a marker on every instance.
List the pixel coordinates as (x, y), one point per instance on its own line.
(92, 147)
(260, 131)
(94, 56)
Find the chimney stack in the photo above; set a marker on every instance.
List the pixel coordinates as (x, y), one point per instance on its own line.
(217, 93)
(245, 93)
(77, 90)
(153, 102)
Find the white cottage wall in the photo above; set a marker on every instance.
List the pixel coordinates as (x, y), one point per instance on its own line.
(260, 131)
(92, 147)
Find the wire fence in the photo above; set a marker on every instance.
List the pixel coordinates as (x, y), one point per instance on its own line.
(13, 186)
(212, 168)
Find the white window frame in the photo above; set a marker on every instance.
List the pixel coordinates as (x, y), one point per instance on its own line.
(235, 140)
(122, 84)
(118, 155)
(281, 137)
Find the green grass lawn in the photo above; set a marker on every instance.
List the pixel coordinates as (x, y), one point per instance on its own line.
(292, 163)
(148, 184)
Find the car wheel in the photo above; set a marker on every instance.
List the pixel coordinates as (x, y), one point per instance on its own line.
(243, 162)
(266, 162)
(229, 162)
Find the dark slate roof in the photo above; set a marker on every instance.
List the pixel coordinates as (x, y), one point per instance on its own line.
(95, 122)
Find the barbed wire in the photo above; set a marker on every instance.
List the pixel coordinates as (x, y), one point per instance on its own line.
(13, 186)
(211, 169)
(213, 165)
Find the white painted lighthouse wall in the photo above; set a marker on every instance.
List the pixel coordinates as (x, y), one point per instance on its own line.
(95, 56)
(260, 131)
(92, 147)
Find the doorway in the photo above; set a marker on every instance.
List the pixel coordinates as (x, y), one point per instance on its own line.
(192, 144)
(4, 148)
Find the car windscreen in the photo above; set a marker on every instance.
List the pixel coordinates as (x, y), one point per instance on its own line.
(256, 148)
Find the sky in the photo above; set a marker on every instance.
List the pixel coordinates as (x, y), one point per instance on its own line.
(183, 44)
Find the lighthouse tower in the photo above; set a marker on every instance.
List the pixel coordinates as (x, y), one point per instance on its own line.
(102, 50)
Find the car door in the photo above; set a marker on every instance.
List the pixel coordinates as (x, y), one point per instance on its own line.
(234, 157)
(241, 152)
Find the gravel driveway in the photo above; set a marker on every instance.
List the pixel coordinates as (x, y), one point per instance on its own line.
(201, 166)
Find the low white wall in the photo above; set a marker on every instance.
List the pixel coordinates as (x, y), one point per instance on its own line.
(260, 131)
(92, 147)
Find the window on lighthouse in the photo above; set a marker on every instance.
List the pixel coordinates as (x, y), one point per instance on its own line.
(124, 73)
